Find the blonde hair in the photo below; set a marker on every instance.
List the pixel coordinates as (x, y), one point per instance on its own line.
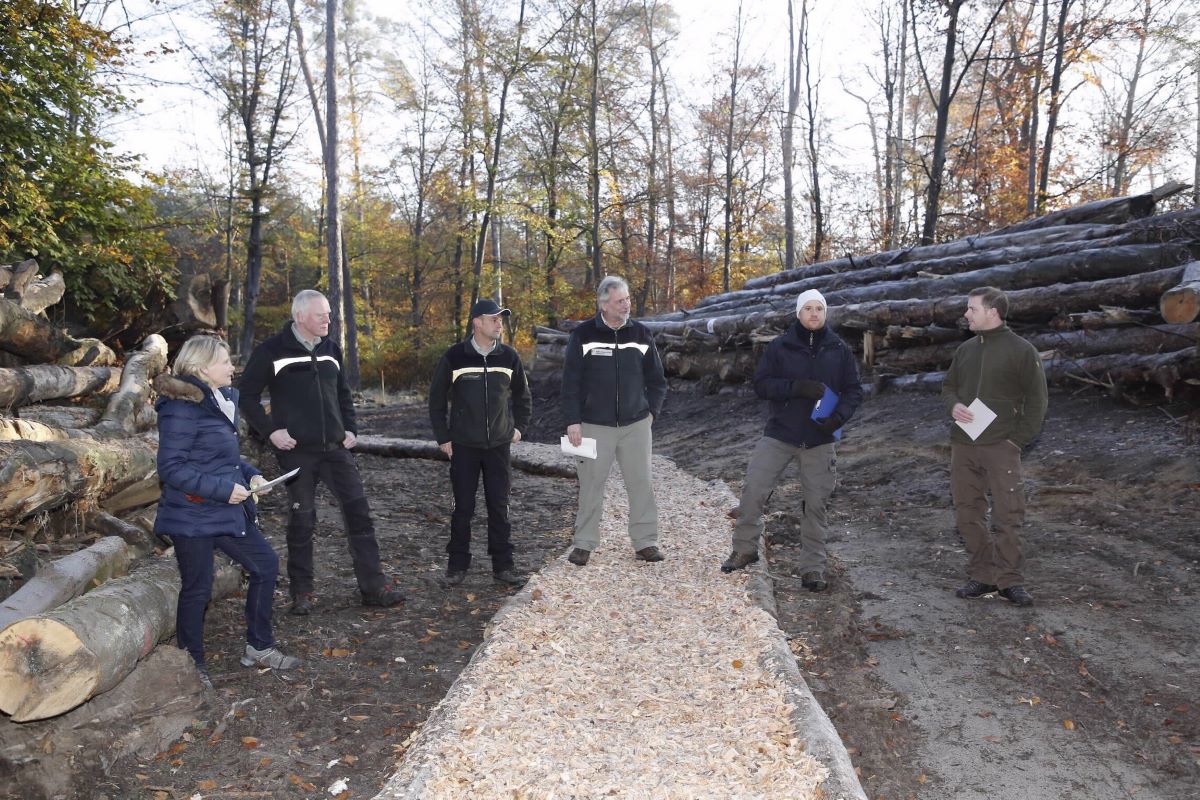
(197, 354)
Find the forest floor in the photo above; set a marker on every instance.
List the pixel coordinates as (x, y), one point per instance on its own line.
(1089, 694)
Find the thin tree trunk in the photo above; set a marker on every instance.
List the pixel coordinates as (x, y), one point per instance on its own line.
(333, 226)
(1031, 164)
(789, 158)
(1052, 115)
(727, 236)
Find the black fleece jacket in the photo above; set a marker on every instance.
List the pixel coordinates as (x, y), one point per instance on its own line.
(486, 397)
(309, 394)
(612, 377)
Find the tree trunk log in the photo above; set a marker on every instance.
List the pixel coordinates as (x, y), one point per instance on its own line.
(15, 277)
(958, 247)
(120, 418)
(418, 448)
(1182, 303)
(140, 717)
(25, 385)
(53, 662)
(68, 577)
(39, 341)
(43, 293)
(35, 476)
(1028, 305)
(1069, 344)
(142, 541)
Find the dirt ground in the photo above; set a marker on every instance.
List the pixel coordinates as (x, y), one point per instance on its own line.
(1092, 693)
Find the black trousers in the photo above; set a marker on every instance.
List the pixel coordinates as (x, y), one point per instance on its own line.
(465, 466)
(337, 470)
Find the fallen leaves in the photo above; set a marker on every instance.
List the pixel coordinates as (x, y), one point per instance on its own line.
(249, 742)
(1069, 724)
(1031, 701)
(336, 652)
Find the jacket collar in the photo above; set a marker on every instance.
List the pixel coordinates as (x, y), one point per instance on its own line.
(193, 390)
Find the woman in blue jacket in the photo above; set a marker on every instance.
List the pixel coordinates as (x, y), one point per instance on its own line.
(206, 502)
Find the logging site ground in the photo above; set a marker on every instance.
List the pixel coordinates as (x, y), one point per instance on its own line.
(1090, 694)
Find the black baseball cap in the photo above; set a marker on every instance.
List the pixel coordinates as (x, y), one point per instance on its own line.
(487, 308)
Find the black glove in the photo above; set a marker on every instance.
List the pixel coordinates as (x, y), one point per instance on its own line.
(827, 425)
(813, 390)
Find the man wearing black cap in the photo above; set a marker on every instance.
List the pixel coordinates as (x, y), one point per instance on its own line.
(478, 403)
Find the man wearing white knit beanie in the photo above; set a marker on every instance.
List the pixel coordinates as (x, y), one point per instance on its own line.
(803, 369)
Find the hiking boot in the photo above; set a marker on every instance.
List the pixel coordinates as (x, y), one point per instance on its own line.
(302, 604)
(455, 576)
(650, 554)
(974, 588)
(272, 658)
(579, 557)
(510, 576)
(1017, 595)
(738, 560)
(205, 681)
(384, 598)
(814, 581)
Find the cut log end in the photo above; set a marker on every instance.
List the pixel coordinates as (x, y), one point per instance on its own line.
(44, 669)
(1180, 305)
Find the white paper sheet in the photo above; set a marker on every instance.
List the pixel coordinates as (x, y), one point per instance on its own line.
(587, 448)
(272, 484)
(983, 418)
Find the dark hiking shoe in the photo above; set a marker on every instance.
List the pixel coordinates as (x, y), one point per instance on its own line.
(650, 554)
(738, 561)
(974, 588)
(384, 598)
(1017, 595)
(579, 557)
(510, 576)
(814, 581)
(455, 576)
(302, 604)
(205, 681)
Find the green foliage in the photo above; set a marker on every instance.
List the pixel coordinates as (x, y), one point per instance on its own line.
(64, 198)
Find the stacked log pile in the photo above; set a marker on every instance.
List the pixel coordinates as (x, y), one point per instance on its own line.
(1109, 293)
(97, 592)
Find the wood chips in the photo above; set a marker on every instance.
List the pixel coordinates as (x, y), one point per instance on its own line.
(623, 678)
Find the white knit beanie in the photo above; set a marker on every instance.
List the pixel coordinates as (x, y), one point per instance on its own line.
(811, 294)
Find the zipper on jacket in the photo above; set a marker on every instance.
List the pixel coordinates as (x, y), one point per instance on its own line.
(487, 414)
(316, 365)
(617, 375)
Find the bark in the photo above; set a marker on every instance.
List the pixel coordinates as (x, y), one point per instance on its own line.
(139, 718)
(15, 277)
(1115, 210)
(39, 341)
(969, 244)
(120, 417)
(67, 578)
(195, 306)
(56, 661)
(141, 540)
(43, 293)
(38, 476)
(1064, 344)
(1025, 305)
(1182, 303)
(53, 662)
(23, 386)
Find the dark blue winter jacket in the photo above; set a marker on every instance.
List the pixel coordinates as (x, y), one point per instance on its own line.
(199, 461)
(801, 354)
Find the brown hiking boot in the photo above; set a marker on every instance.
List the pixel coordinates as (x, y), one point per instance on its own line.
(579, 557)
(651, 554)
(738, 560)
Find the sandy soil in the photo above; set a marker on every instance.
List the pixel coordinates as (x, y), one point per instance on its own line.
(1090, 694)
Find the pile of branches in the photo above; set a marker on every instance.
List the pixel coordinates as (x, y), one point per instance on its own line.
(1108, 292)
(80, 679)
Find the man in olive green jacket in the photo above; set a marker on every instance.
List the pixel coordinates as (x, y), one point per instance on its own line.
(1004, 372)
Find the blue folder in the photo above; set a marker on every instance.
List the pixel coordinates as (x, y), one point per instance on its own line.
(825, 407)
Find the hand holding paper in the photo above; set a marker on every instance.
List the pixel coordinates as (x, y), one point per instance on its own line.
(263, 488)
(982, 417)
(586, 448)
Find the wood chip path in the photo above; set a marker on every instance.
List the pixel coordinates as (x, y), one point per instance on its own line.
(629, 679)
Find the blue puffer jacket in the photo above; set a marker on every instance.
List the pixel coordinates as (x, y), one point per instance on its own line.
(809, 355)
(199, 461)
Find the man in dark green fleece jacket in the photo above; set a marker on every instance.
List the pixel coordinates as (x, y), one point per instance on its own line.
(1004, 372)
